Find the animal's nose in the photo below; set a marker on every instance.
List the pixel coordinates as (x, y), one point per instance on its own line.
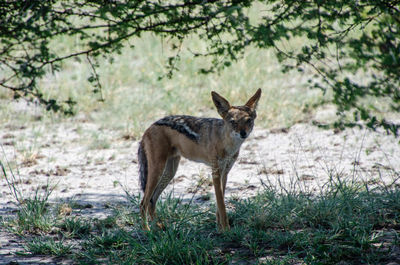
(243, 134)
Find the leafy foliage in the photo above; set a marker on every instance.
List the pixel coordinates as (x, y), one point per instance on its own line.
(353, 46)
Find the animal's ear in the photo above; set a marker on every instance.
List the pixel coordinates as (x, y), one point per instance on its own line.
(222, 104)
(252, 102)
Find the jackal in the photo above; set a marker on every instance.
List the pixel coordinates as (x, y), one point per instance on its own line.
(214, 142)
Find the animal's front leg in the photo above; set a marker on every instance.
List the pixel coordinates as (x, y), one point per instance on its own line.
(227, 167)
(222, 218)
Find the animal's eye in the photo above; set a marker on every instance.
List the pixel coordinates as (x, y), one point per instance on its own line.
(249, 121)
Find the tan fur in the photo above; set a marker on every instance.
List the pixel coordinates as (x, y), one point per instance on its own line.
(214, 142)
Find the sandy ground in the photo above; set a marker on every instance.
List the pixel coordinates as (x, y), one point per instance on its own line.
(93, 166)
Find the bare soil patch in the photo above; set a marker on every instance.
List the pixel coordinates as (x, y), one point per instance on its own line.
(88, 164)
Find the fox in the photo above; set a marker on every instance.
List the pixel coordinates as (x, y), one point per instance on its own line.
(212, 141)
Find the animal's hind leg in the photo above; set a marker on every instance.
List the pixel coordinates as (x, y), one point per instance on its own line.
(169, 172)
(155, 170)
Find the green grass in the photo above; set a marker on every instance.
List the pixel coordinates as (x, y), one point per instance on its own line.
(47, 246)
(74, 227)
(347, 223)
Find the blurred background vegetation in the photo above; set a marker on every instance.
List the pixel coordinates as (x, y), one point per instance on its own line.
(124, 64)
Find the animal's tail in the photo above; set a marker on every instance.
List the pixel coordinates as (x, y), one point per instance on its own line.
(142, 166)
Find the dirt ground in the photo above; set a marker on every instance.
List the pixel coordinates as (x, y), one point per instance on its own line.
(93, 166)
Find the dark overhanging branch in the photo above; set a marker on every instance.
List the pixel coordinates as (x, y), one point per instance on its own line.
(96, 77)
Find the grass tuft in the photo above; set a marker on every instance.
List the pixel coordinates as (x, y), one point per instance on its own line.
(48, 246)
(74, 227)
(33, 214)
